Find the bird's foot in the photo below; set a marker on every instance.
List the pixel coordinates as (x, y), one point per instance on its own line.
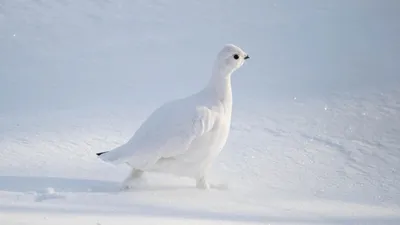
(204, 185)
(134, 180)
(133, 184)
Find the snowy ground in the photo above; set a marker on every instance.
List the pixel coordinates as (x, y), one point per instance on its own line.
(305, 162)
(316, 122)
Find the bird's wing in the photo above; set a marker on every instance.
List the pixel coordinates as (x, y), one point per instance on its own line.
(168, 132)
(183, 129)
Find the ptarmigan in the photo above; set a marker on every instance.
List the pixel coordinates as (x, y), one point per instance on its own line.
(184, 137)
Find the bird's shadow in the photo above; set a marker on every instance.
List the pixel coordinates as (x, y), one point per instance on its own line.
(73, 185)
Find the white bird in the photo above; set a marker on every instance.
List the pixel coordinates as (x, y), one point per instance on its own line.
(184, 136)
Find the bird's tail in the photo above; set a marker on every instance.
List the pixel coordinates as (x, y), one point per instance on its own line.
(101, 153)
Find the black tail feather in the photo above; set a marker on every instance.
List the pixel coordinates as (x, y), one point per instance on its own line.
(101, 153)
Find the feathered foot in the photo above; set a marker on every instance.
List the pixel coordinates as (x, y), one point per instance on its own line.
(202, 183)
(134, 179)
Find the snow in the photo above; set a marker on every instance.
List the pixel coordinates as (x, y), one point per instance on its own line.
(315, 124)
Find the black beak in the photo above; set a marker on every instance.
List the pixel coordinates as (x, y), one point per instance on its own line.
(247, 57)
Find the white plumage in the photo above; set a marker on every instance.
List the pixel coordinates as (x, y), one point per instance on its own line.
(184, 136)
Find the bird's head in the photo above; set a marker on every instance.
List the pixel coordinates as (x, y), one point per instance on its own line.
(229, 59)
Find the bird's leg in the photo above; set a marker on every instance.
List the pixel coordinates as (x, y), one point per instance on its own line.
(135, 173)
(201, 183)
(133, 176)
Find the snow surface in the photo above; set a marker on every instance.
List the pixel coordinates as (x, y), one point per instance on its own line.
(315, 125)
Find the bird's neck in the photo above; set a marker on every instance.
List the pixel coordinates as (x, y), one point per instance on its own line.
(220, 85)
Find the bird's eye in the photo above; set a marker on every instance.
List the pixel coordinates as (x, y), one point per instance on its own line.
(236, 56)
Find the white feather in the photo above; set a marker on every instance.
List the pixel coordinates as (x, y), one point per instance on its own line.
(184, 136)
